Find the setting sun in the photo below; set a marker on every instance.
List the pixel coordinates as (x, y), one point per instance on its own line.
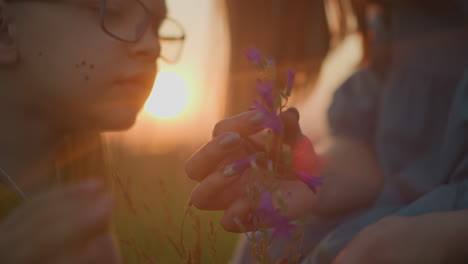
(169, 97)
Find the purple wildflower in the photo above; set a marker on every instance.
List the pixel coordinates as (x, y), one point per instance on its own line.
(265, 90)
(311, 181)
(239, 166)
(283, 228)
(272, 217)
(254, 55)
(266, 202)
(270, 62)
(270, 120)
(273, 122)
(290, 81)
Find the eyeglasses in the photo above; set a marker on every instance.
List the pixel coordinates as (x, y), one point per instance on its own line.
(128, 20)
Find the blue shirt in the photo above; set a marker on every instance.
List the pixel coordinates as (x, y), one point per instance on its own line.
(415, 115)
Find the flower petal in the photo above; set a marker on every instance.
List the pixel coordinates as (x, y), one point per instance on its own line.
(254, 55)
(239, 166)
(283, 228)
(266, 202)
(270, 120)
(272, 217)
(265, 90)
(311, 181)
(290, 81)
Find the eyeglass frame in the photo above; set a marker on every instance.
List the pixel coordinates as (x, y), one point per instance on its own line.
(102, 5)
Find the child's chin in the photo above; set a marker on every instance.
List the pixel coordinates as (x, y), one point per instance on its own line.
(119, 121)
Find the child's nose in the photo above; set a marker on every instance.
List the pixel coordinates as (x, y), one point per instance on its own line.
(149, 46)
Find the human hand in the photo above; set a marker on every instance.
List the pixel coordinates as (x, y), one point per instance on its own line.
(220, 190)
(396, 240)
(59, 227)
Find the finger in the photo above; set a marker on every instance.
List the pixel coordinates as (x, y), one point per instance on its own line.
(304, 155)
(217, 201)
(227, 136)
(236, 218)
(299, 198)
(245, 124)
(292, 130)
(259, 139)
(208, 157)
(217, 191)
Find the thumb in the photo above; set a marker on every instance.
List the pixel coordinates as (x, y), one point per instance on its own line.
(304, 156)
(292, 130)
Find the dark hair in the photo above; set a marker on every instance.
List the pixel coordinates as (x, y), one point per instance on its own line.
(378, 36)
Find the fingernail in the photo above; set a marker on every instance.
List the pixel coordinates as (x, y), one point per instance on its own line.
(230, 140)
(236, 220)
(101, 210)
(294, 111)
(229, 171)
(257, 118)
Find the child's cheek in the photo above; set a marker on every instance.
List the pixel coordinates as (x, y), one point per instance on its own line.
(85, 68)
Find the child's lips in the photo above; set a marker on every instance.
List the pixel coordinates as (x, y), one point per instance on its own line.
(136, 83)
(134, 90)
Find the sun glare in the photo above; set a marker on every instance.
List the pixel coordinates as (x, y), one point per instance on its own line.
(169, 96)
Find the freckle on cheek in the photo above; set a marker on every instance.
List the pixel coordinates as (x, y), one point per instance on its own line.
(87, 78)
(91, 66)
(39, 53)
(83, 63)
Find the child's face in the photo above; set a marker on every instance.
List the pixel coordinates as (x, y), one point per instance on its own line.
(74, 73)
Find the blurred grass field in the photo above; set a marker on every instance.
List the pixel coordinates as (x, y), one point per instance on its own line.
(153, 191)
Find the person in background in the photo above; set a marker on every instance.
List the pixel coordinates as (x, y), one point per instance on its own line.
(396, 176)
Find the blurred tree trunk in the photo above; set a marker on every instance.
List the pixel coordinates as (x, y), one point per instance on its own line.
(295, 33)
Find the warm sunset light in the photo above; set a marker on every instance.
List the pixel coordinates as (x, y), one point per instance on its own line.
(169, 97)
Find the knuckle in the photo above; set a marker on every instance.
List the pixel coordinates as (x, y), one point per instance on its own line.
(199, 204)
(188, 167)
(228, 225)
(218, 129)
(193, 167)
(198, 200)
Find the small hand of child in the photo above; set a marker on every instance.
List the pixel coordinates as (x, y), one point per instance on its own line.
(47, 228)
(221, 190)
